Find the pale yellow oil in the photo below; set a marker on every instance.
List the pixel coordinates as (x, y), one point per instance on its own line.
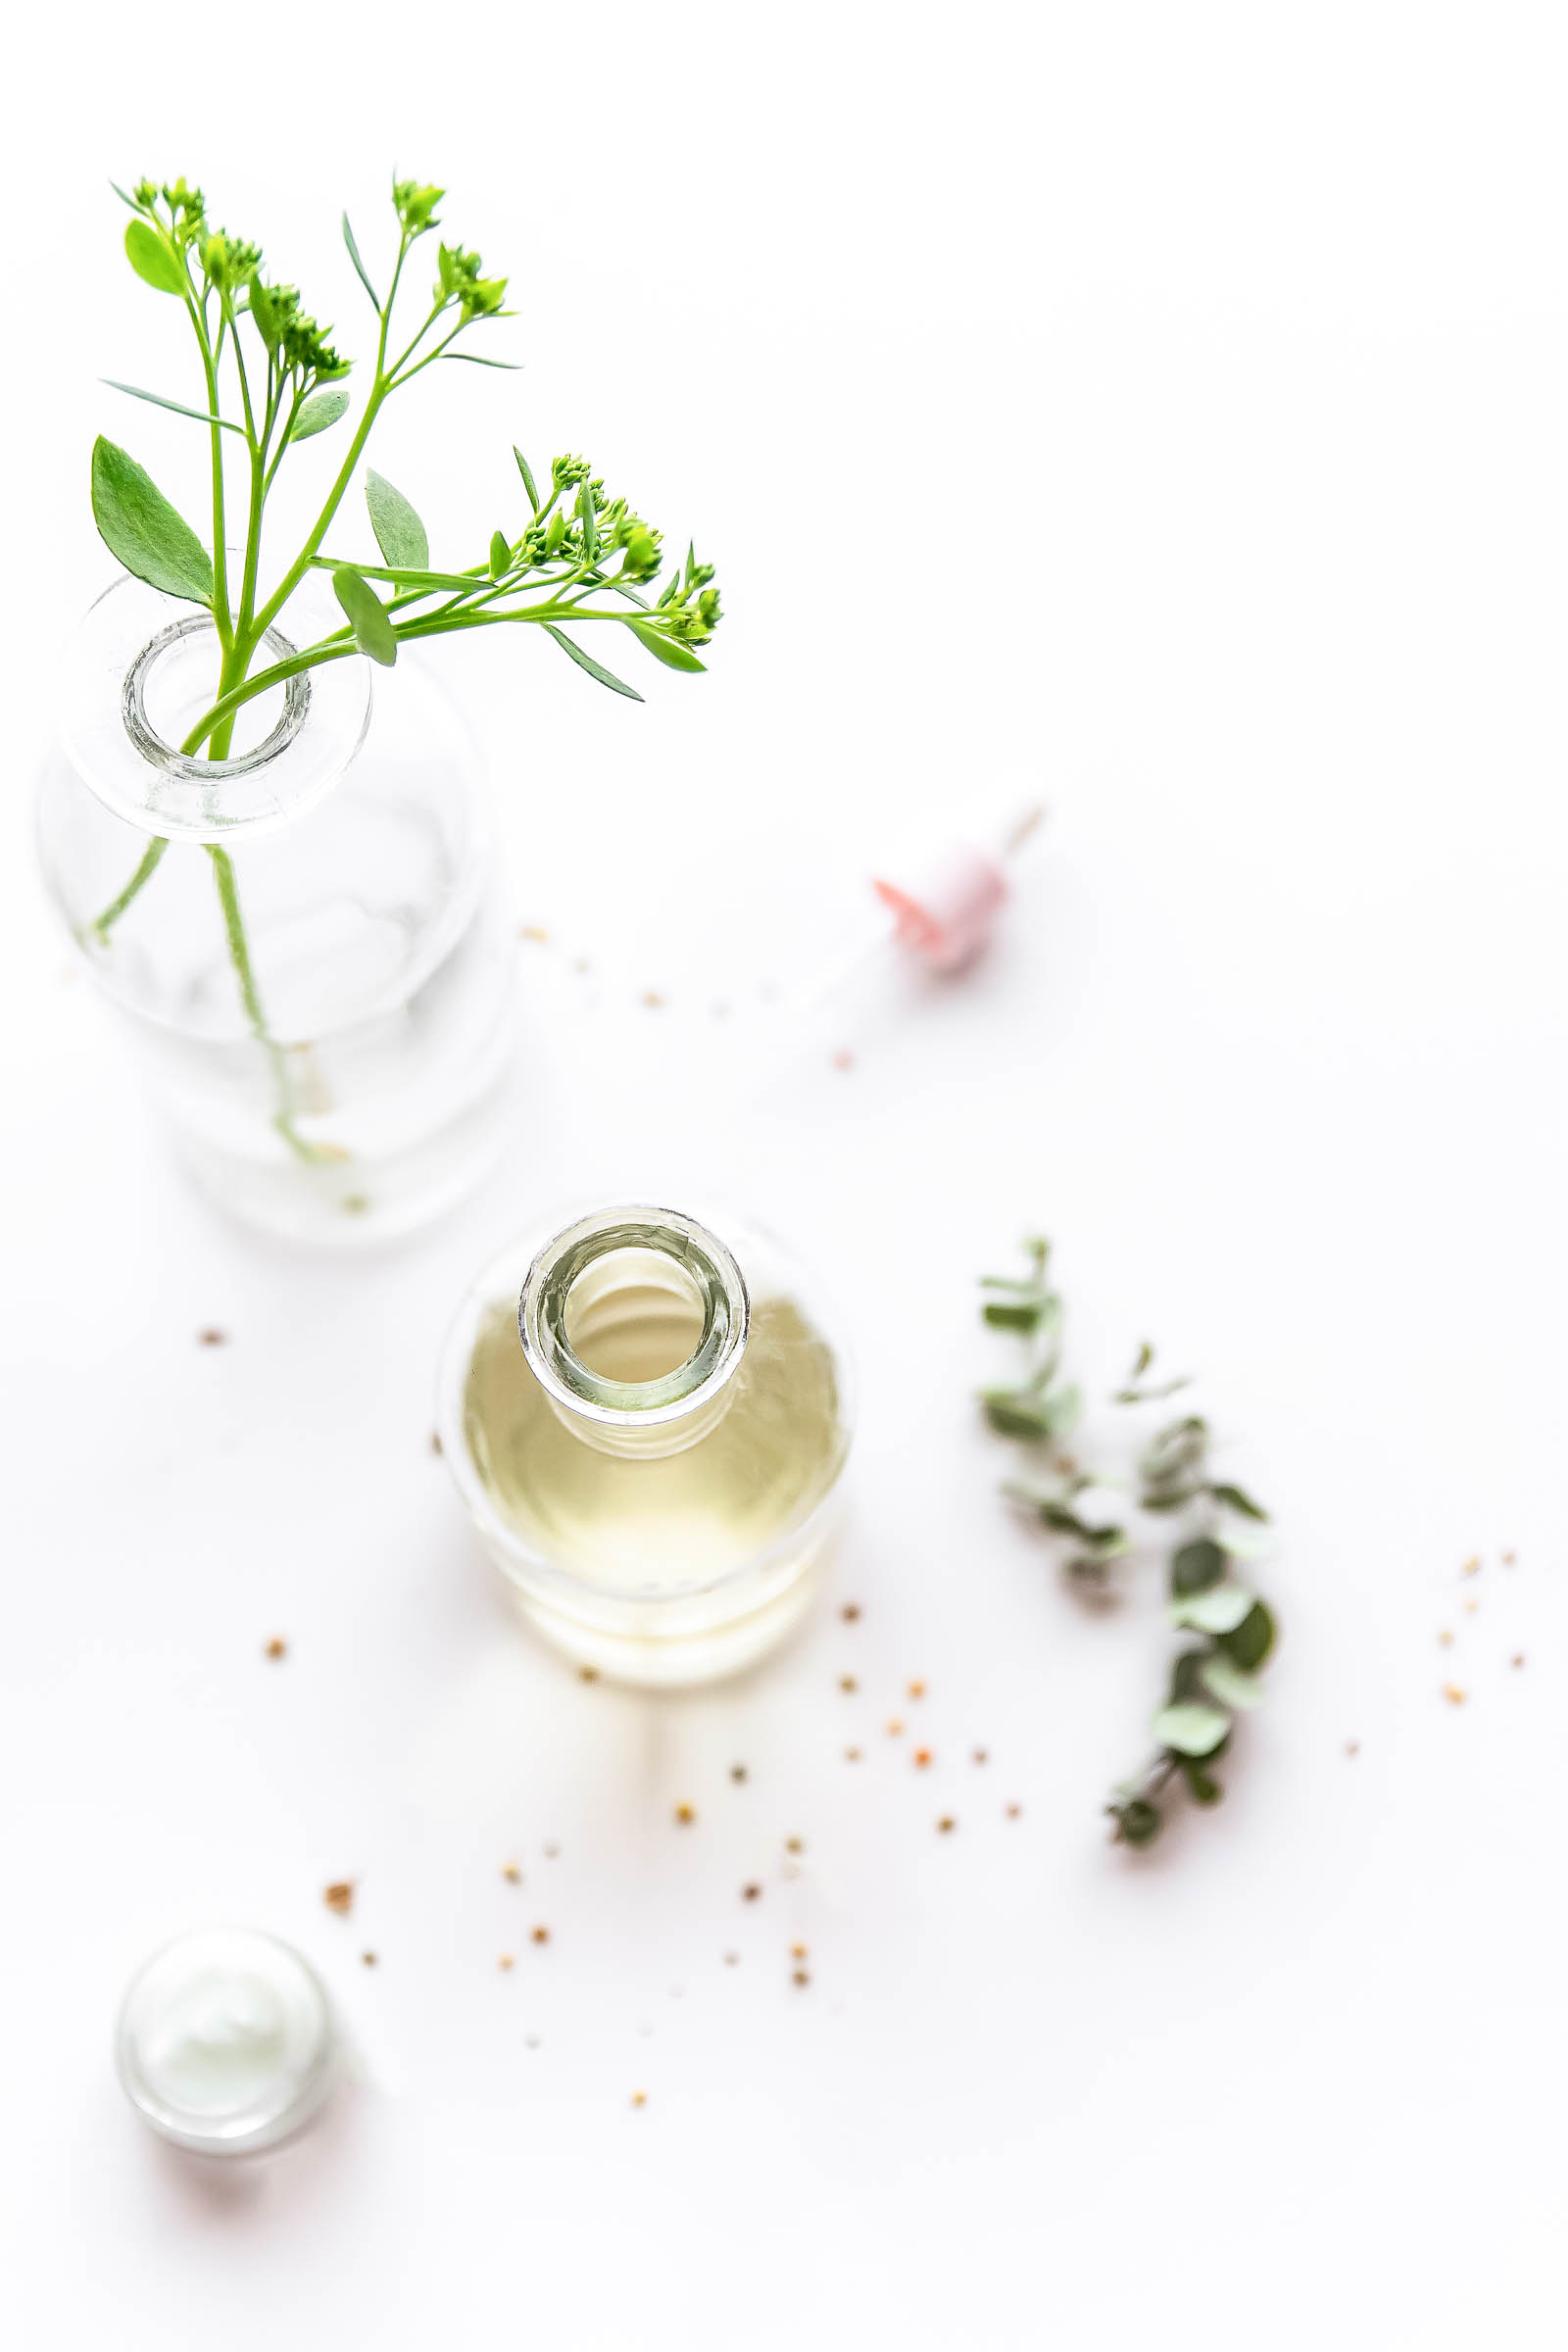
(637, 1526)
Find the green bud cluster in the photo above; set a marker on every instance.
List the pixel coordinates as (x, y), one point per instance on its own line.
(688, 607)
(295, 339)
(415, 206)
(460, 281)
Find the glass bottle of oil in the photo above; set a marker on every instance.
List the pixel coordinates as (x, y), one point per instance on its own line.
(649, 1424)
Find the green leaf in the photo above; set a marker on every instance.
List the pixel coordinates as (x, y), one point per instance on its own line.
(1190, 1730)
(1016, 1314)
(500, 556)
(360, 269)
(140, 527)
(154, 259)
(1219, 1610)
(1238, 1500)
(158, 402)
(263, 312)
(317, 413)
(373, 631)
(474, 361)
(1230, 1683)
(399, 532)
(1249, 1644)
(402, 576)
(1025, 1414)
(1196, 1566)
(128, 201)
(585, 516)
(527, 478)
(586, 661)
(1204, 1788)
(667, 650)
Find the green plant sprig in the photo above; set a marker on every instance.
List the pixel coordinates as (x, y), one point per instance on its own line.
(581, 558)
(1228, 1630)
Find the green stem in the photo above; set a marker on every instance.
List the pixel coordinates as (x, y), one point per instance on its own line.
(152, 856)
(239, 954)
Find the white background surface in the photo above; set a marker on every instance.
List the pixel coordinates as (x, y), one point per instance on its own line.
(1167, 399)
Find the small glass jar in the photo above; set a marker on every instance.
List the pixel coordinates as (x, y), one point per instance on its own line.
(226, 2043)
(649, 1421)
(305, 939)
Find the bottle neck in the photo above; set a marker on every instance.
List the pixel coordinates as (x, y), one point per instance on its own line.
(634, 1322)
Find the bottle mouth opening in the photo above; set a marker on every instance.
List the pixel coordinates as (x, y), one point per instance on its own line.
(175, 672)
(634, 1317)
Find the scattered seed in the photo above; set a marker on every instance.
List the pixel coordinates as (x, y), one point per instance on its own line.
(639, 2098)
(946, 1823)
(844, 1059)
(1014, 1812)
(278, 1647)
(1445, 1637)
(339, 1896)
(1507, 1560)
(435, 1441)
(917, 1690)
(846, 1681)
(849, 1611)
(505, 1961)
(801, 1976)
(534, 931)
(212, 1337)
(794, 1846)
(1470, 1608)
(1471, 1568)
(980, 1755)
(922, 1757)
(895, 1728)
(797, 1951)
(651, 998)
(750, 1894)
(1352, 1748)
(587, 1674)
(369, 1958)
(583, 964)
(1518, 1658)
(685, 1815)
(540, 1935)
(732, 1959)
(355, 1205)
(851, 1755)
(511, 1874)
(737, 1772)
(1453, 1695)
(551, 1854)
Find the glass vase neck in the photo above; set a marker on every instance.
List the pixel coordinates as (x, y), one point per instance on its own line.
(634, 1322)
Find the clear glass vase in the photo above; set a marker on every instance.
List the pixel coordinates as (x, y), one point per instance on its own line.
(649, 1422)
(304, 941)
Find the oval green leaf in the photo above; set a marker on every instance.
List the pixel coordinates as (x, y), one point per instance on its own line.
(1227, 1682)
(153, 257)
(317, 413)
(527, 478)
(1190, 1730)
(500, 556)
(1237, 1499)
(1219, 1610)
(1196, 1566)
(1249, 1644)
(667, 650)
(399, 532)
(373, 631)
(140, 527)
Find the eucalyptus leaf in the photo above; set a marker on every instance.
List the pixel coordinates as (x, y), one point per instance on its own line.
(373, 631)
(1230, 1683)
(399, 532)
(1196, 1566)
(1190, 1730)
(317, 413)
(594, 669)
(153, 257)
(1249, 1644)
(1237, 1499)
(527, 478)
(500, 556)
(140, 527)
(360, 269)
(201, 416)
(1218, 1610)
(667, 650)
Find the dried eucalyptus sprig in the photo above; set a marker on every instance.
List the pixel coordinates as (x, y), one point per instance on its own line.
(1229, 1631)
